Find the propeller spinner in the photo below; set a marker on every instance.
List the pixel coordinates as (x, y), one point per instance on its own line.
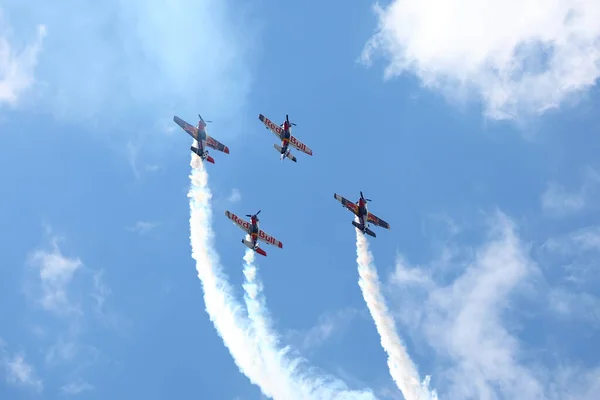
(202, 119)
(363, 197)
(288, 120)
(249, 215)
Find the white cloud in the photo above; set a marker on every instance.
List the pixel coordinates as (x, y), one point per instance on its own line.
(575, 305)
(55, 273)
(572, 259)
(463, 315)
(133, 151)
(520, 57)
(575, 255)
(235, 196)
(327, 326)
(17, 63)
(100, 292)
(143, 227)
(576, 242)
(69, 290)
(126, 56)
(558, 201)
(75, 388)
(18, 371)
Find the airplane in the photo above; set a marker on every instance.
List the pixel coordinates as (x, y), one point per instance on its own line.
(284, 133)
(204, 141)
(256, 234)
(360, 210)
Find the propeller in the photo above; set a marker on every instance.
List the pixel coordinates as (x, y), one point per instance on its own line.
(288, 120)
(202, 119)
(248, 215)
(363, 197)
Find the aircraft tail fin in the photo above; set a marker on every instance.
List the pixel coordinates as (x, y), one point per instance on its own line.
(210, 159)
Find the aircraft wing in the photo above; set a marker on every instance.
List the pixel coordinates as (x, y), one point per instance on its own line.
(377, 221)
(347, 203)
(244, 225)
(215, 144)
(299, 145)
(190, 129)
(276, 129)
(268, 239)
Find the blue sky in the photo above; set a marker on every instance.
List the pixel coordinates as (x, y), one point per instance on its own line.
(472, 128)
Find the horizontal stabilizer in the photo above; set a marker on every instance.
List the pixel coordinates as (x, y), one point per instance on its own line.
(363, 229)
(288, 155)
(199, 154)
(249, 245)
(370, 232)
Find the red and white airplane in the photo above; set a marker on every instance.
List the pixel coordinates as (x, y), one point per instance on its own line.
(203, 139)
(284, 133)
(256, 234)
(364, 216)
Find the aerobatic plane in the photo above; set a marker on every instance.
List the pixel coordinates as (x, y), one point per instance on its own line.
(204, 141)
(256, 234)
(360, 210)
(284, 133)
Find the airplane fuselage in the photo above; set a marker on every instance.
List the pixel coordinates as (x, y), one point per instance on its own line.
(363, 212)
(200, 139)
(201, 136)
(253, 230)
(285, 137)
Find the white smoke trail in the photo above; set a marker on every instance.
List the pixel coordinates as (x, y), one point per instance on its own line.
(402, 369)
(221, 306)
(252, 344)
(284, 367)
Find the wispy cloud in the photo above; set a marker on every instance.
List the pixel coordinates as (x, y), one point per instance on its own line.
(74, 388)
(18, 371)
(576, 242)
(518, 66)
(143, 227)
(572, 305)
(76, 296)
(463, 316)
(235, 196)
(55, 273)
(328, 324)
(573, 259)
(17, 65)
(558, 201)
(133, 157)
(115, 68)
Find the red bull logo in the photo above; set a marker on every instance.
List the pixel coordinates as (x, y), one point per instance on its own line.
(297, 144)
(267, 238)
(272, 126)
(240, 221)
